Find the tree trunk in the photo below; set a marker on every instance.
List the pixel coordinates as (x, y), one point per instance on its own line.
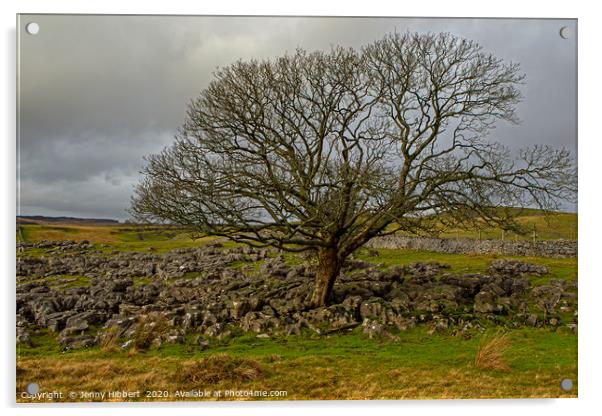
(329, 267)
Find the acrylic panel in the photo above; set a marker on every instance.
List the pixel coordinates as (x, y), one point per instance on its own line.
(295, 208)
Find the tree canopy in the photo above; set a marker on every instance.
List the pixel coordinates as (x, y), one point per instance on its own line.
(325, 150)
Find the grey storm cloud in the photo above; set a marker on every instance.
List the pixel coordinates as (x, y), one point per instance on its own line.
(98, 93)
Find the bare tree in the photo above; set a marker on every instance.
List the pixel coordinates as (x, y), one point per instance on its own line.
(326, 150)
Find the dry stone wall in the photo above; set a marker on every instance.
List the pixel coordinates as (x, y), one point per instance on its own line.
(543, 248)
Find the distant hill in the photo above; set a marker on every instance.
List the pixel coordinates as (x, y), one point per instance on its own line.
(41, 219)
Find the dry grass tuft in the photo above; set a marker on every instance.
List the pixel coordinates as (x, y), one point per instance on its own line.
(149, 328)
(220, 367)
(108, 339)
(490, 354)
(21, 371)
(272, 358)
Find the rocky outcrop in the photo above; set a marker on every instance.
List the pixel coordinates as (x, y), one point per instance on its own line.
(70, 258)
(146, 299)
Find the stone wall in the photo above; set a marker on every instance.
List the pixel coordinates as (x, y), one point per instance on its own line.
(542, 248)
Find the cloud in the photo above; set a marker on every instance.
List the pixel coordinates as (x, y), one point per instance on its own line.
(97, 93)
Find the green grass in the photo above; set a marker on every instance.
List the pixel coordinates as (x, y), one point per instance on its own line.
(461, 263)
(339, 366)
(61, 281)
(547, 226)
(44, 343)
(114, 237)
(22, 233)
(416, 346)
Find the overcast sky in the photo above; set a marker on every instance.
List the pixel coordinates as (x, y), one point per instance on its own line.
(97, 93)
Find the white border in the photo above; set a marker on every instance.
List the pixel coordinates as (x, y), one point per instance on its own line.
(590, 151)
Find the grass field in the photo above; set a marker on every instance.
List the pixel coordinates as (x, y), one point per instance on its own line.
(117, 237)
(414, 365)
(549, 226)
(344, 366)
(559, 225)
